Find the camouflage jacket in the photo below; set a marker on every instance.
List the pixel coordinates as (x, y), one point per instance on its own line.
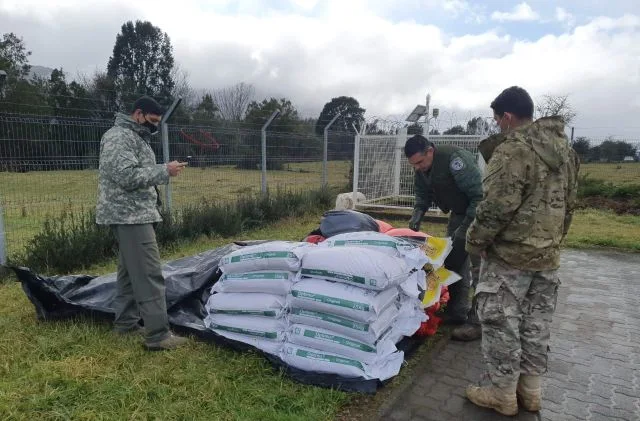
(128, 174)
(529, 194)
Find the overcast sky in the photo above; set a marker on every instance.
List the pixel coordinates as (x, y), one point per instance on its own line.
(385, 54)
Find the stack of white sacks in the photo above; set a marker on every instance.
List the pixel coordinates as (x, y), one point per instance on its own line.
(339, 307)
(248, 303)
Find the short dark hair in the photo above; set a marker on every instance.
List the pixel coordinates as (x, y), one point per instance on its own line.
(147, 105)
(416, 144)
(513, 100)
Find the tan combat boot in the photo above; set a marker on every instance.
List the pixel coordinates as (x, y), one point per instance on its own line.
(170, 342)
(500, 399)
(529, 392)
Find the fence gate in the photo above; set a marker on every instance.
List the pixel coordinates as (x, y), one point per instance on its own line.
(382, 173)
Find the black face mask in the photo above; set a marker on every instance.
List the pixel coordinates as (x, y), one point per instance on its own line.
(153, 129)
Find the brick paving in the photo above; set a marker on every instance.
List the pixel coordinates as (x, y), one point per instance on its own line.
(594, 362)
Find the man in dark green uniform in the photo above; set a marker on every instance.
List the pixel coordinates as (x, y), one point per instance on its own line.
(449, 177)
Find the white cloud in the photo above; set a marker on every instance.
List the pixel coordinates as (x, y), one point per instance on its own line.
(388, 66)
(521, 12)
(565, 17)
(458, 8)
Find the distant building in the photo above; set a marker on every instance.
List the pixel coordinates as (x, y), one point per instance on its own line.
(628, 158)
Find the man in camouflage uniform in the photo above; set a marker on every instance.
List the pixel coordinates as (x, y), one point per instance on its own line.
(529, 196)
(127, 201)
(449, 177)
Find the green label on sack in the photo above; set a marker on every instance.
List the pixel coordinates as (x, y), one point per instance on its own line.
(377, 243)
(268, 335)
(267, 276)
(330, 318)
(339, 302)
(268, 313)
(337, 275)
(329, 358)
(338, 340)
(262, 255)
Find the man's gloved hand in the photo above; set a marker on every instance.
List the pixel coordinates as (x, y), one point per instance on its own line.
(416, 219)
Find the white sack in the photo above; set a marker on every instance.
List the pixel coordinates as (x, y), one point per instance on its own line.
(363, 305)
(274, 255)
(356, 266)
(268, 282)
(254, 304)
(309, 359)
(365, 332)
(328, 341)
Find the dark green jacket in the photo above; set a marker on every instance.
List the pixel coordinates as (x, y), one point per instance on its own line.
(453, 183)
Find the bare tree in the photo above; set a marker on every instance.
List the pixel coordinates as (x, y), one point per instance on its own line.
(232, 102)
(182, 88)
(555, 105)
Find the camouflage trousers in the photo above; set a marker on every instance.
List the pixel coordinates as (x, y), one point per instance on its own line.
(515, 309)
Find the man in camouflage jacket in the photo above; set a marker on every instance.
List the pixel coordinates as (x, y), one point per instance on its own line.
(449, 176)
(530, 190)
(127, 202)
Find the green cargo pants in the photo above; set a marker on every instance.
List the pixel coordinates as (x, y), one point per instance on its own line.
(459, 307)
(140, 284)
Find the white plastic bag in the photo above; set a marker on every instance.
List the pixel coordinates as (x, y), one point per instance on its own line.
(328, 341)
(309, 359)
(365, 332)
(363, 305)
(266, 328)
(356, 266)
(254, 304)
(268, 282)
(274, 255)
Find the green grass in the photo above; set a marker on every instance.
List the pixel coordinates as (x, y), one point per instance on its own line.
(79, 370)
(28, 198)
(615, 173)
(597, 228)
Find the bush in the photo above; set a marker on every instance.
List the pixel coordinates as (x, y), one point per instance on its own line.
(588, 187)
(73, 241)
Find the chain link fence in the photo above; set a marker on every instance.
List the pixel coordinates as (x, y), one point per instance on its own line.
(48, 165)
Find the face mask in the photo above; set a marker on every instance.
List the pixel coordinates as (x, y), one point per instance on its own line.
(152, 127)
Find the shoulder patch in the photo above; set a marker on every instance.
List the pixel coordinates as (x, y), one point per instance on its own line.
(457, 164)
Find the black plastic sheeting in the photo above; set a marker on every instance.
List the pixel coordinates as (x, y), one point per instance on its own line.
(188, 282)
(341, 221)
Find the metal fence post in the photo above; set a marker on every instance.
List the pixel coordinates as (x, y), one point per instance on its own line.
(356, 164)
(164, 132)
(264, 149)
(325, 152)
(3, 239)
(401, 138)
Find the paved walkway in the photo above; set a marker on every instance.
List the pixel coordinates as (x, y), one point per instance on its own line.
(594, 362)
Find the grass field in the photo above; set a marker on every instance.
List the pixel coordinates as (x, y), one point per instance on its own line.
(616, 173)
(27, 198)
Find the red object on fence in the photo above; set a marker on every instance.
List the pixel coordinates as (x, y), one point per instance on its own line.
(211, 144)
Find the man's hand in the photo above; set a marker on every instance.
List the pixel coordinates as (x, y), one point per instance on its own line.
(174, 167)
(416, 219)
